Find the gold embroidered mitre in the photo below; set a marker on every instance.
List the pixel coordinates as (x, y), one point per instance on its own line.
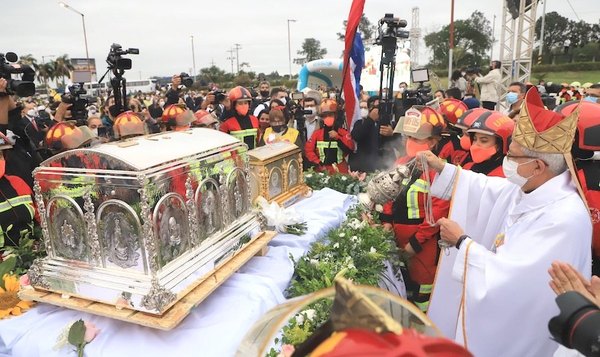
(542, 130)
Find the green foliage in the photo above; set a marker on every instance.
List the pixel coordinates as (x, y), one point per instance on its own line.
(311, 50)
(472, 40)
(576, 66)
(355, 250)
(366, 28)
(77, 333)
(558, 29)
(6, 267)
(340, 182)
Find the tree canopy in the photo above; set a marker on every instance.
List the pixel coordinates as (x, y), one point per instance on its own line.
(311, 50)
(472, 40)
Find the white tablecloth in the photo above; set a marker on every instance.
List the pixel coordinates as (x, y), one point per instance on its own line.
(215, 328)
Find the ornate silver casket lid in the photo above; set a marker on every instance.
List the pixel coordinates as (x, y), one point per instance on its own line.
(150, 151)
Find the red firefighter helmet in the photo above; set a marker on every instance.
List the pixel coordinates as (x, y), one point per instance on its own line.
(588, 123)
(203, 119)
(128, 124)
(239, 93)
(56, 132)
(328, 106)
(496, 124)
(453, 108)
(177, 116)
(363, 343)
(421, 122)
(464, 121)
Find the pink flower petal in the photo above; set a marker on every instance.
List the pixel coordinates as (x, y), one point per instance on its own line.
(24, 280)
(90, 331)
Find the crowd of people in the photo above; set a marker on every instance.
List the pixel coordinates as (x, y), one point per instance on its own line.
(507, 232)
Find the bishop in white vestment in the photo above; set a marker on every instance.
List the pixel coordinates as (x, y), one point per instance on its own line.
(492, 293)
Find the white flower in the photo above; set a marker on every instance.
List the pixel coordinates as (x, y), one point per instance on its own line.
(314, 262)
(310, 314)
(299, 319)
(351, 266)
(379, 208)
(344, 178)
(309, 176)
(372, 250)
(63, 338)
(336, 245)
(354, 239)
(342, 235)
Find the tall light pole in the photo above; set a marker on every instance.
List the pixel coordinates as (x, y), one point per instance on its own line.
(493, 38)
(451, 49)
(290, 46)
(541, 52)
(87, 54)
(46, 56)
(238, 47)
(193, 58)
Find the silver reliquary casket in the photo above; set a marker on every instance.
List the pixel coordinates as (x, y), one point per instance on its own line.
(142, 221)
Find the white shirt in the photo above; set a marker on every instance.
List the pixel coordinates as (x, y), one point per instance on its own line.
(507, 297)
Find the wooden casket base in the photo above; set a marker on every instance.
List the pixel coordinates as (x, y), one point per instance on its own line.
(172, 317)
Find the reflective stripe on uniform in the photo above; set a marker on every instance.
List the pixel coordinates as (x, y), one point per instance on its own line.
(412, 198)
(17, 201)
(322, 145)
(242, 134)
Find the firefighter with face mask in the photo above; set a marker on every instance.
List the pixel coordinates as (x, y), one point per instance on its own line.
(422, 128)
(329, 146)
(242, 125)
(490, 136)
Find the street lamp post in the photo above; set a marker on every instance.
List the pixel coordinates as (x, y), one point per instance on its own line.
(87, 54)
(193, 58)
(290, 46)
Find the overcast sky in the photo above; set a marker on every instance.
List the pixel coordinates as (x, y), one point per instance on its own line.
(161, 29)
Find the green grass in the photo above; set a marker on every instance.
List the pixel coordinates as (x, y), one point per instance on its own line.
(555, 77)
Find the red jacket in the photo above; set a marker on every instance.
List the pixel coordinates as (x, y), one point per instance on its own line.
(246, 131)
(407, 215)
(592, 197)
(315, 150)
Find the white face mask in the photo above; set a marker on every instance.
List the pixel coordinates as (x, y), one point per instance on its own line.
(161, 103)
(402, 89)
(510, 168)
(596, 156)
(283, 100)
(32, 113)
(95, 131)
(364, 112)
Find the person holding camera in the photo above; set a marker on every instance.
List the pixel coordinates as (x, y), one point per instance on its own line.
(241, 125)
(328, 147)
(17, 209)
(491, 294)
(490, 85)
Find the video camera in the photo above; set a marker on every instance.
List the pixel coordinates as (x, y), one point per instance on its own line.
(116, 61)
(23, 87)
(79, 100)
(219, 94)
(578, 324)
(186, 80)
(389, 31)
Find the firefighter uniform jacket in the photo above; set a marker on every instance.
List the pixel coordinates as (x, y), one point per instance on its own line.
(324, 152)
(17, 210)
(407, 214)
(243, 128)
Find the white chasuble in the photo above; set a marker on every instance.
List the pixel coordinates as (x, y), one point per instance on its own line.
(506, 299)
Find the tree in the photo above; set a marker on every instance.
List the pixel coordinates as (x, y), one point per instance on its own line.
(472, 40)
(215, 74)
(556, 30)
(46, 72)
(29, 60)
(311, 50)
(365, 27)
(62, 68)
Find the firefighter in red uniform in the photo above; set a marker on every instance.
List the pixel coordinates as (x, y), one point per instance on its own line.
(422, 128)
(329, 146)
(452, 109)
(463, 123)
(242, 125)
(586, 152)
(489, 135)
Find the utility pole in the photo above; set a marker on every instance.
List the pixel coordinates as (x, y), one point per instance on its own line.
(193, 58)
(451, 49)
(493, 38)
(231, 58)
(541, 51)
(238, 47)
(290, 46)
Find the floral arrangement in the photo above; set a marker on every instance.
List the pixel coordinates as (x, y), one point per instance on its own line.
(352, 183)
(357, 250)
(78, 334)
(283, 220)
